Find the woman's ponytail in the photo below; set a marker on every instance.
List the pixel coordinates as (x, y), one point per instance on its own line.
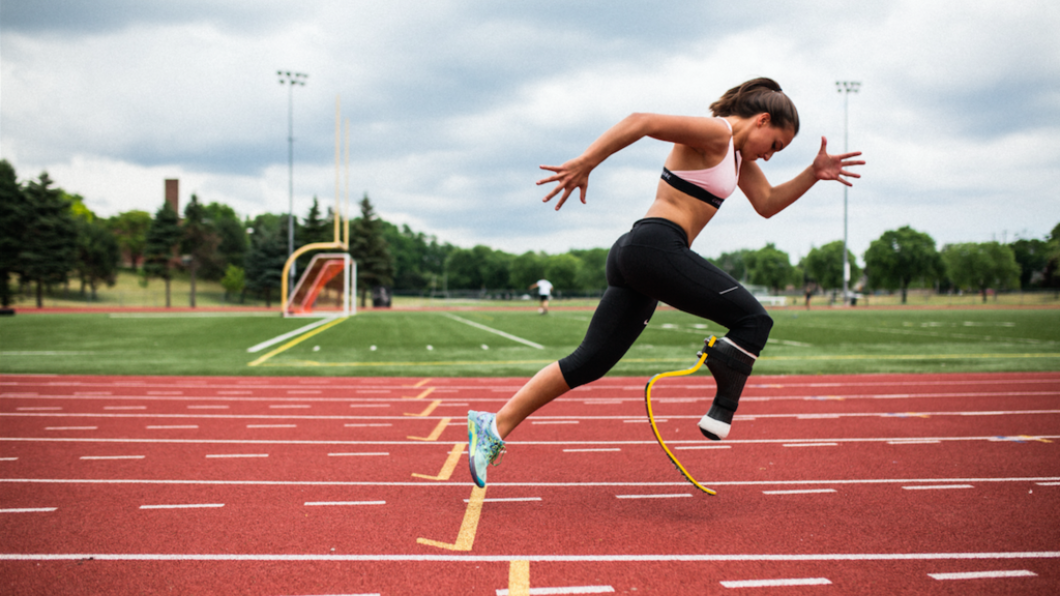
(755, 97)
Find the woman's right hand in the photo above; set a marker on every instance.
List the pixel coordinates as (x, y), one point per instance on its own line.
(574, 174)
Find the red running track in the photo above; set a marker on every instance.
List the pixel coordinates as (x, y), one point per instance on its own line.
(859, 484)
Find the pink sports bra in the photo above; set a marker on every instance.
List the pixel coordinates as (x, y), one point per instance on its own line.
(711, 185)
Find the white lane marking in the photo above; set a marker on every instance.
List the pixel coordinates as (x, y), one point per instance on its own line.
(30, 510)
(381, 453)
(235, 393)
(703, 447)
(99, 457)
(937, 487)
(190, 506)
(288, 335)
(686, 558)
(207, 407)
(165, 393)
(322, 503)
(41, 409)
(816, 416)
(224, 455)
(641, 420)
(776, 583)
(363, 425)
(507, 500)
(8, 459)
(590, 450)
(71, 428)
(553, 422)
(913, 442)
(674, 496)
(290, 407)
(1048, 483)
(982, 574)
(304, 391)
(93, 393)
(798, 492)
(272, 426)
(564, 590)
(369, 405)
(495, 331)
(811, 444)
(171, 427)
(124, 407)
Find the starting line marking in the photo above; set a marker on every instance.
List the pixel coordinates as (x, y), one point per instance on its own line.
(772, 583)
(982, 574)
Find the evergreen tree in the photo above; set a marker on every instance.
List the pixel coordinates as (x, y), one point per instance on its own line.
(312, 230)
(49, 245)
(233, 247)
(375, 266)
(263, 270)
(162, 239)
(900, 256)
(199, 242)
(98, 255)
(130, 229)
(14, 211)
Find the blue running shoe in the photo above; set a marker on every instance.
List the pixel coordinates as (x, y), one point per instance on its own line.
(484, 447)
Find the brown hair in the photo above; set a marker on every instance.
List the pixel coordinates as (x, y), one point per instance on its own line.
(755, 97)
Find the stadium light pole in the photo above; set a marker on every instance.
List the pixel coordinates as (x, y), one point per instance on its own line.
(846, 88)
(290, 79)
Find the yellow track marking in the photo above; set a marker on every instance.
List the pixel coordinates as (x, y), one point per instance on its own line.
(448, 466)
(1030, 438)
(519, 578)
(437, 432)
(428, 410)
(425, 393)
(468, 527)
(422, 383)
(296, 341)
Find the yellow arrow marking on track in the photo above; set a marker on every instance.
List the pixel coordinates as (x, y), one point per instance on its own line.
(430, 408)
(437, 432)
(425, 393)
(448, 466)
(466, 537)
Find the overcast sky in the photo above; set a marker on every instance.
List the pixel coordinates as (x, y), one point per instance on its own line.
(453, 105)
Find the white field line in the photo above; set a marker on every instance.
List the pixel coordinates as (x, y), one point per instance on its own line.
(506, 558)
(289, 335)
(983, 574)
(495, 331)
(776, 583)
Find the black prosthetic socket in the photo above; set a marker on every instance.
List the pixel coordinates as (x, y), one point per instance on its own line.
(730, 368)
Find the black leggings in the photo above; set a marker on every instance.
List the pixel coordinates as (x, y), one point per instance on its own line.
(652, 263)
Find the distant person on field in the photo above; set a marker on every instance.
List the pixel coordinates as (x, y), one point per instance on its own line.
(653, 262)
(544, 292)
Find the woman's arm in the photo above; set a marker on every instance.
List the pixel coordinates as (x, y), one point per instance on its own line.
(769, 200)
(708, 135)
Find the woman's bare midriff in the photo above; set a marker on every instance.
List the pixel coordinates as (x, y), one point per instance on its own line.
(688, 212)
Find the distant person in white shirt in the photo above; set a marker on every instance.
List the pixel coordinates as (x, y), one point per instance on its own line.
(544, 291)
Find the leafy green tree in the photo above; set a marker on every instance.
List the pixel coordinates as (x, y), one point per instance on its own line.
(98, 254)
(771, 268)
(130, 229)
(14, 212)
(825, 264)
(1032, 255)
(49, 246)
(981, 266)
(266, 258)
(233, 234)
(234, 281)
(562, 271)
(735, 263)
(526, 269)
(159, 248)
(199, 242)
(898, 257)
(375, 266)
(591, 275)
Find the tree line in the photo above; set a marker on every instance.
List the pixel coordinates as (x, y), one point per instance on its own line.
(49, 236)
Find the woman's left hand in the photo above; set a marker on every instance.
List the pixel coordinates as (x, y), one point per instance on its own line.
(832, 167)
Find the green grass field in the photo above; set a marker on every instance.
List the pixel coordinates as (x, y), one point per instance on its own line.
(396, 343)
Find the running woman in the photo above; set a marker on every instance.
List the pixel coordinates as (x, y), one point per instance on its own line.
(653, 262)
